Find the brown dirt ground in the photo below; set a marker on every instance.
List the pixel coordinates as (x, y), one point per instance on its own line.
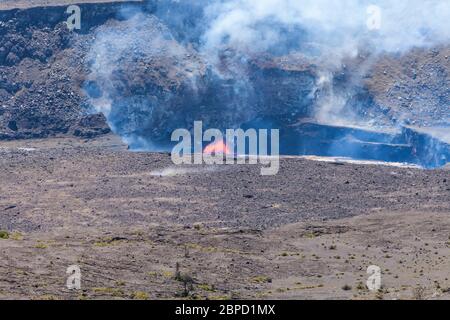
(24, 4)
(127, 218)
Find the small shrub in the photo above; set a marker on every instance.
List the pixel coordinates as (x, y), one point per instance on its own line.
(41, 246)
(361, 286)
(262, 279)
(140, 295)
(16, 236)
(206, 287)
(419, 293)
(4, 234)
(109, 291)
(120, 283)
(187, 280)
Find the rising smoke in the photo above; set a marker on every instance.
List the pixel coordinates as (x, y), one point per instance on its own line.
(203, 57)
(340, 27)
(330, 31)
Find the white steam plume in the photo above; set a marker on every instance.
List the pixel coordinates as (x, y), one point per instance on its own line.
(329, 30)
(341, 25)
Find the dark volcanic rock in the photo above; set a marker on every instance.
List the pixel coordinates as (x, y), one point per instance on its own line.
(149, 76)
(42, 70)
(149, 84)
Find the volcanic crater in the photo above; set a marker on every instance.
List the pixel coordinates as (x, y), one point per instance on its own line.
(349, 194)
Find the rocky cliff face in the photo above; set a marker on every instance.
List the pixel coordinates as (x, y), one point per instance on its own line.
(146, 74)
(42, 71)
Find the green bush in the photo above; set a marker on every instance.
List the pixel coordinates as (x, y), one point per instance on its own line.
(4, 234)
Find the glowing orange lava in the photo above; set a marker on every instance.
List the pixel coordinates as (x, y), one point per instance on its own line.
(217, 147)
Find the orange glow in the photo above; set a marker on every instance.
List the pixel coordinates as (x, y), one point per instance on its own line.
(217, 147)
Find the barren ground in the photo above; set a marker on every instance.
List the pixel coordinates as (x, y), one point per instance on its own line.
(127, 218)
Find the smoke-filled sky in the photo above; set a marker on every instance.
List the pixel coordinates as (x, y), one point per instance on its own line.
(398, 25)
(328, 30)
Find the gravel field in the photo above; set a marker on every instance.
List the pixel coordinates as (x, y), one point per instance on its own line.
(139, 227)
(127, 218)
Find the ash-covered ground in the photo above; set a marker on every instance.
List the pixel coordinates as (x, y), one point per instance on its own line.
(72, 193)
(128, 218)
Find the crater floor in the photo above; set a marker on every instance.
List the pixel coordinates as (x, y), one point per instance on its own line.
(127, 218)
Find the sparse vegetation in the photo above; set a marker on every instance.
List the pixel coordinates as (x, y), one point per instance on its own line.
(41, 245)
(16, 236)
(167, 274)
(361, 286)
(206, 287)
(261, 279)
(140, 295)
(419, 293)
(114, 292)
(47, 297)
(72, 183)
(197, 226)
(106, 242)
(219, 297)
(82, 296)
(186, 279)
(4, 234)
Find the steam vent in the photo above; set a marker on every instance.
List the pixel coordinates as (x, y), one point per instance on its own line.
(134, 68)
(209, 150)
